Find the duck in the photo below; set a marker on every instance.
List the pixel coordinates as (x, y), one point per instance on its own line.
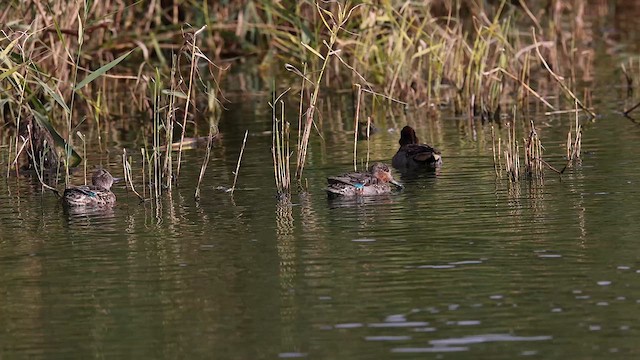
(97, 195)
(366, 129)
(374, 182)
(412, 154)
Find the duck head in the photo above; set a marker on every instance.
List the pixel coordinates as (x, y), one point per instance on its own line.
(102, 178)
(381, 172)
(408, 136)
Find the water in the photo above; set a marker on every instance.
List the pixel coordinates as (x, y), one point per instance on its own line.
(458, 265)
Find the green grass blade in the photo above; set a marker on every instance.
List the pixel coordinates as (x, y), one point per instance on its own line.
(54, 95)
(6, 50)
(9, 72)
(101, 71)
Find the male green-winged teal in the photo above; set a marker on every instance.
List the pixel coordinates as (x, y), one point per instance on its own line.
(412, 154)
(374, 182)
(98, 194)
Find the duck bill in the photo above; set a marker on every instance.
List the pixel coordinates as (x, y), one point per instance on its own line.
(400, 186)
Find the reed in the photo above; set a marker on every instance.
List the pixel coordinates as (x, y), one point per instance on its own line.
(574, 146)
(126, 169)
(534, 168)
(280, 146)
(235, 173)
(333, 23)
(214, 118)
(421, 52)
(169, 125)
(84, 154)
(154, 159)
(512, 154)
(194, 50)
(356, 122)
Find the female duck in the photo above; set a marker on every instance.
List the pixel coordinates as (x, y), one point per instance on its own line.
(98, 194)
(412, 154)
(374, 182)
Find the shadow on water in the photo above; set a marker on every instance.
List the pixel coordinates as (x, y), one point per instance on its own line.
(359, 201)
(100, 216)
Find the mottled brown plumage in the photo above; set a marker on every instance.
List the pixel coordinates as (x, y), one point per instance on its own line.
(98, 194)
(374, 182)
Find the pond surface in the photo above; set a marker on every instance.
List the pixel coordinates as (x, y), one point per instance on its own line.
(459, 265)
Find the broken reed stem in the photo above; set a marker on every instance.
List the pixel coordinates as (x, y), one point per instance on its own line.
(528, 88)
(355, 127)
(558, 79)
(627, 112)
(205, 162)
(189, 95)
(126, 169)
(235, 177)
(18, 152)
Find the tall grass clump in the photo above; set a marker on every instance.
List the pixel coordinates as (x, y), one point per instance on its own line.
(311, 80)
(280, 146)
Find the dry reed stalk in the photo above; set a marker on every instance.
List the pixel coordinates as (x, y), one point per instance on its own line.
(9, 159)
(280, 146)
(84, 154)
(533, 154)
(144, 182)
(558, 79)
(205, 162)
(355, 128)
(285, 156)
(235, 174)
(155, 156)
(493, 149)
(528, 88)
(628, 111)
(189, 94)
(512, 154)
(126, 169)
(69, 113)
(168, 163)
(337, 21)
(366, 166)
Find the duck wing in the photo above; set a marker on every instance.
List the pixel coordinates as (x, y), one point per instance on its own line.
(422, 152)
(351, 179)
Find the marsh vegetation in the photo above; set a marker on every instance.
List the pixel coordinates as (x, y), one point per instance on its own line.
(523, 243)
(72, 70)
